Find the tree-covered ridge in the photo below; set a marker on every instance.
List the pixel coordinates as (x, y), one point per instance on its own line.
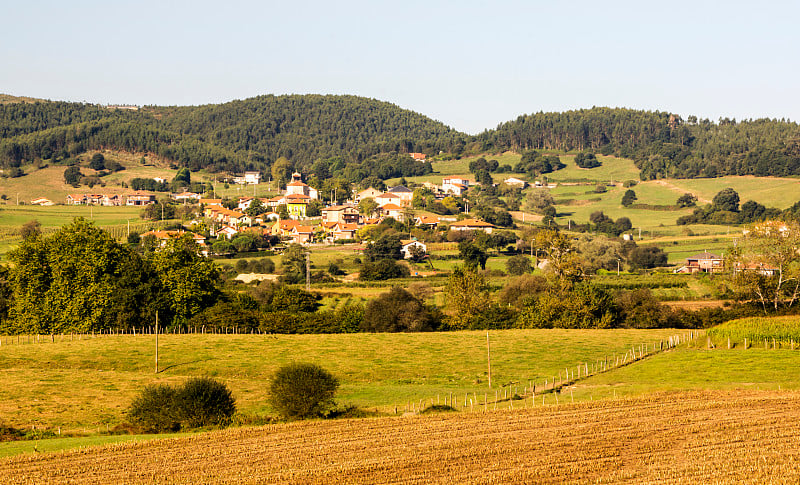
(662, 144)
(252, 134)
(241, 135)
(309, 127)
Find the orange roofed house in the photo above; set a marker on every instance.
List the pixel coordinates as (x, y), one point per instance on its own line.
(472, 225)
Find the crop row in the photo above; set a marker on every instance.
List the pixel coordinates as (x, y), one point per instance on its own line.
(699, 437)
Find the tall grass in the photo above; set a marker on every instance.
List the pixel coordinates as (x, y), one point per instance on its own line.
(758, 329)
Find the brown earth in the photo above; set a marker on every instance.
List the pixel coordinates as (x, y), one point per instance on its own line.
(689, 437)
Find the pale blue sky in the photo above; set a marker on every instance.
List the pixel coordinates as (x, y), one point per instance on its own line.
(466, 63)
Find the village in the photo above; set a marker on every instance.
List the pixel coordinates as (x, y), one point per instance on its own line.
(288, 217)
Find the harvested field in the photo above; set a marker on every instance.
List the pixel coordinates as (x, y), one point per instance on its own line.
(697, 437)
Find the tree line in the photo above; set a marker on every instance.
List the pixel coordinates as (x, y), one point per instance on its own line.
(661, 144)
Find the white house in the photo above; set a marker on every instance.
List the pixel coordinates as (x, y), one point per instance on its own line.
(252, 178)
(472, 225)
(394, 211)
(407, 246)
(454, 185)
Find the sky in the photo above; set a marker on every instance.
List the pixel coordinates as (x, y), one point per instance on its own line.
(468, 64)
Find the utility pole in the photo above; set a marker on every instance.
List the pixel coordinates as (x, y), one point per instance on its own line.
(156, 341)
(489, 358)
(308, 271)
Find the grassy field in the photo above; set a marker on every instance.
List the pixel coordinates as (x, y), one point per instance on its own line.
(692, 437)
(57, 216)
(49, 181)
(11, 448)
(88, 383)
(777, 331)
(698, 368)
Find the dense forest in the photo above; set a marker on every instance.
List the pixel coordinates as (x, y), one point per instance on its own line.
(358, 138)
(236, 136)
(662, 144)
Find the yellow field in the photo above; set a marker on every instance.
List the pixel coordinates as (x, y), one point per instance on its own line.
(699, 437)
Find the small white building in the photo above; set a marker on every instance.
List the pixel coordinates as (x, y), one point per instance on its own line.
(515, 182)
(253, 178)
(407, 246)
(472, 225)
(454, 185)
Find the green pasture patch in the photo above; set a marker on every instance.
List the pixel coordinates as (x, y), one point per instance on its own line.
(757, 330)
(56, 216)
(613, 169)
(68, 383)
(10, 448)
(687, 368)
(770, 191)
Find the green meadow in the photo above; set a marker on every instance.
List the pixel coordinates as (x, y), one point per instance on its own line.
(82, 387)
(85, 385)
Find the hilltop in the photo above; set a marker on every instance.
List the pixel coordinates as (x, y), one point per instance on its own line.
(252, 134)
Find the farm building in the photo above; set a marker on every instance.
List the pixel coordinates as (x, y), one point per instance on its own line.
(472, 225)
(704, 262)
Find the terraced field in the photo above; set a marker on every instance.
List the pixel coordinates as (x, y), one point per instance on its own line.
(697, 437)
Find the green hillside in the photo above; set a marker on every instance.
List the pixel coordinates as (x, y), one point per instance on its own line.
(234, 136)
(251, 134)
(663, 145)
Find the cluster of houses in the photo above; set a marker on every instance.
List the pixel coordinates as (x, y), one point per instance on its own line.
(135, 198)
(339, 222)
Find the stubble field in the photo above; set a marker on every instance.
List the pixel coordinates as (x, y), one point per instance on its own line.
(696, 437)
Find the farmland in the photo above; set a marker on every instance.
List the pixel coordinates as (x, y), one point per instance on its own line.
(701, 437)
(86, 384)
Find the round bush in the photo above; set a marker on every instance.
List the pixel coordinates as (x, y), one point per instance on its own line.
(301, 391)
(154, 409)
(203, 401)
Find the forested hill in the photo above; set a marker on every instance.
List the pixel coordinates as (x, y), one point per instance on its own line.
(309, 127)
(234, 136)
(369, 136)
(661, 144)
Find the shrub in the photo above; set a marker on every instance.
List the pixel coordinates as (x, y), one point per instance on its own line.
(154, 409)
(204, 401)
(301, 391)
(383, 269)
(201, 401)
(518, 265)
(398, 311)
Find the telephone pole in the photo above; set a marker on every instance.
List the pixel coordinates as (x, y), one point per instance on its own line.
(489, 358)
(156, 341)
(308, 271)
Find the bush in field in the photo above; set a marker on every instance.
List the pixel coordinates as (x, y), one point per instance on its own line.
(301, 391)
(398, 311)
(154, 409)
(203, 401)
(518, 265)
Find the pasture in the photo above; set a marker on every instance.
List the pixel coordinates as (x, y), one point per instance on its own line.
(76, 384)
